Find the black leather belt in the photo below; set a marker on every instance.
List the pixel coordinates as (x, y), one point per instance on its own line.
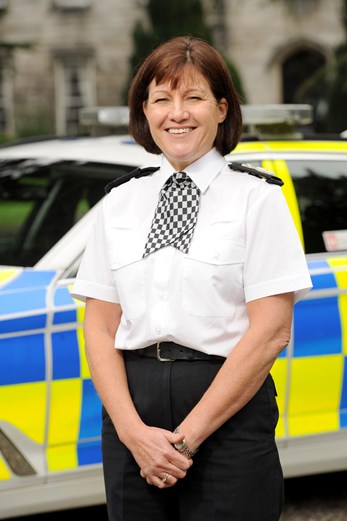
(169, 352)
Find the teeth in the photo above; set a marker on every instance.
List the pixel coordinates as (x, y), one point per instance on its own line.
(179, 130)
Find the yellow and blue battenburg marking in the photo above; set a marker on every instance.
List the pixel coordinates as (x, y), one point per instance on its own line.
(45, 388)
(46, 393)
(315, 371)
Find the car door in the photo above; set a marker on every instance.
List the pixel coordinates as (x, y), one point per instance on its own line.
(311, 373)
(314, 412)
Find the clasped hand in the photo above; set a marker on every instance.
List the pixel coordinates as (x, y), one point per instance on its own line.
(160, 463)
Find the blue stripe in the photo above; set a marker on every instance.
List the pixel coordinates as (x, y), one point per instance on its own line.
(89, 453)
(317, 327)
(22, 301)
(23, 324)
(22, 360)
(30, 278)
(62, 297)
(90, 426)
(65, 317)
(317, 264)
(65, 355)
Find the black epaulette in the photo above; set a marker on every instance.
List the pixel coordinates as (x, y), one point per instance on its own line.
(257, 171)
(138, 172)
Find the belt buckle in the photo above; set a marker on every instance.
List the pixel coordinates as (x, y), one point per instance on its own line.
(159, 356)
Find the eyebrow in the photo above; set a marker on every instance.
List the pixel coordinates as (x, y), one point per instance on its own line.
(190, 89)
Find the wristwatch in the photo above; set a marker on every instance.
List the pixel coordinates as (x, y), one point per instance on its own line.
(183, 447)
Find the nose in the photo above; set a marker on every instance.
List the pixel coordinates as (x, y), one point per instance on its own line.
(178, 111)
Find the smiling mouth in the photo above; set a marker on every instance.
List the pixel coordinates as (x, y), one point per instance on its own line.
(179, 130)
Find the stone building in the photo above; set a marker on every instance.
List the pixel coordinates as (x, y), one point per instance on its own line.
(59, 55)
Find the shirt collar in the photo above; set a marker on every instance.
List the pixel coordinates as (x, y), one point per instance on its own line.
(202, 171)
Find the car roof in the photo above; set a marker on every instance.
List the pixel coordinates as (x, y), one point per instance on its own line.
(123, 150)
(106, 149)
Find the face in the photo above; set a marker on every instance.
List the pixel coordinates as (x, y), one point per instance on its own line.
(184, 121)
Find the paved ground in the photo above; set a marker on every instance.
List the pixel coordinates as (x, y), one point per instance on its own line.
(316, 498)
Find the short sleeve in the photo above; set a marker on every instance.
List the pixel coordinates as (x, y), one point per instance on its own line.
(94, 278)
(275, 261)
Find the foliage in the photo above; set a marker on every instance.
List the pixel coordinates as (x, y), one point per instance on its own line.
(336, 120)
(177, 18)
(34, 123)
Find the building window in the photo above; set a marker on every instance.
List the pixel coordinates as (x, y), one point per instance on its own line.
(75, 88)
(70, 5)
(302, 82)
(298, 71)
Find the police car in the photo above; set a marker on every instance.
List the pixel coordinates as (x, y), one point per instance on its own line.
(50, 456)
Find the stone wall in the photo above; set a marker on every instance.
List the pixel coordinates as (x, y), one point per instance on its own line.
(257, 35)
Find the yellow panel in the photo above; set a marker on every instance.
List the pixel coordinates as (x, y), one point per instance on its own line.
(249, 147)
(282, 171)
(308, 146)
(4, 472)
(292, 146)
(7, 274)
(80, 314)
(341, 279)
(315, 391)
(24, 407)
(84, 369)
(63, 457)
(279, 374)
(64, 422)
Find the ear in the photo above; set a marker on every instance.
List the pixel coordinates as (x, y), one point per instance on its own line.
(223, 110)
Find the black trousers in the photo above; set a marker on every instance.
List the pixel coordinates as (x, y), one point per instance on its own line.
(236, 475)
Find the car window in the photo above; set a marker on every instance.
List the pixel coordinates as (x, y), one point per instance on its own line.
(321, 189)
(40, 201)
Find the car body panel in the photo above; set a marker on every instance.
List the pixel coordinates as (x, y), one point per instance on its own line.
(50, 419)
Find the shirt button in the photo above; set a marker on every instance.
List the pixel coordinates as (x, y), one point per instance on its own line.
(157, 330)
(217, 255)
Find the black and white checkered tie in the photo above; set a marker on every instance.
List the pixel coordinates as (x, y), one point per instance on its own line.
(175, 216)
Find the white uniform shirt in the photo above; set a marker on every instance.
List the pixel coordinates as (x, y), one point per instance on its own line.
(245, 247)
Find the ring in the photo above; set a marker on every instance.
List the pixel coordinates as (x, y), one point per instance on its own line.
(165, 477)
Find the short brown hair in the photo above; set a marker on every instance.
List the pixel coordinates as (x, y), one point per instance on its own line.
(166, 63)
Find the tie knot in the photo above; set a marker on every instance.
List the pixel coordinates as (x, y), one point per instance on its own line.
(180, 180)
(181, 176)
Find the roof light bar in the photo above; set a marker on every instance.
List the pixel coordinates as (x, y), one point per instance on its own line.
(290, 114)
(108, 116)
(278, 120)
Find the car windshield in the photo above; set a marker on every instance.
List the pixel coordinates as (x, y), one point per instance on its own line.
(40, 200)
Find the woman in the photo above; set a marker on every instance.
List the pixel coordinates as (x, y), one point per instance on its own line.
(181, 335)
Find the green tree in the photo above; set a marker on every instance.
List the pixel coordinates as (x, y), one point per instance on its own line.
(174, 18)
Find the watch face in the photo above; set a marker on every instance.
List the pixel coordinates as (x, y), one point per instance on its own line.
(179, 446)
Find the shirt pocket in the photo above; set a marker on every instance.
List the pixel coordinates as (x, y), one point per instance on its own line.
(212, 282)
(128, 268)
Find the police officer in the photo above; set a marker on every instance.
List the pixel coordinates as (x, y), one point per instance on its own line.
(189, 278)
